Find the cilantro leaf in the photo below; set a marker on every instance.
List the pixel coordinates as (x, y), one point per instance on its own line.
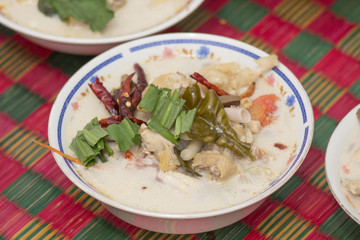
(96, 13)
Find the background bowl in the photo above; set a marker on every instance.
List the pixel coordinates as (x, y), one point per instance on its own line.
(93, 46)
(332, 160)
(200, 46)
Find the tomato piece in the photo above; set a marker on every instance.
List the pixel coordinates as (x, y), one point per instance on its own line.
(263, 107)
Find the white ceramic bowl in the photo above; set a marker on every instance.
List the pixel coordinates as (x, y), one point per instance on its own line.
(93, 46)
(336, 145)
(200, 45)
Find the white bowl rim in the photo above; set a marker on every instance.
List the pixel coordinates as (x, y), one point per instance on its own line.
(334, 182)
(190, 8)
(305, 104)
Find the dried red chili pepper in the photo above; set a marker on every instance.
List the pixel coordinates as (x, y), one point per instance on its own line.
(105, 122)
(124, 98)
(201, 79)
(105, 97)
(140, 86)
(250, 91)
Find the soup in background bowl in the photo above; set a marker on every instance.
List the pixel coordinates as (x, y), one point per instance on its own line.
(342, 164)
(132, 19)
(151, 193)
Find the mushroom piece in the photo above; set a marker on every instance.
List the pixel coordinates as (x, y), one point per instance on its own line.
(216, 166)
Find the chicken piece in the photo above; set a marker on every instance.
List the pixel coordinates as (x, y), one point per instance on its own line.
(216, 166)
(173, 81)
(162, 148)
(353, 187)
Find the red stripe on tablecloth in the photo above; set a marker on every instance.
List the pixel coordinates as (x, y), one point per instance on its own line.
(214, 26)
(3, 38)
(44, 80)
(330, 27)
(262, 212)
(12, 218)
(273, 30)
(341, 68)
(38, 121)
(214, 6)
(66, 216)
(317, 112)
(342, 106)
(311, 203)
(33, 48)
(48, 168)
(7, 124)
(5, 83)
(10, 171)
(294, 66)
(313, 161)
(318, 236)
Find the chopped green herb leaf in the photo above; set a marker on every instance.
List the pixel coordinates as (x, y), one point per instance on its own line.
(156, 127)
(89, 143)
(96, 13)
(126, 134)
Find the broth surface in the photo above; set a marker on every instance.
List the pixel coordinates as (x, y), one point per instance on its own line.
(134, 16)
(138, 182)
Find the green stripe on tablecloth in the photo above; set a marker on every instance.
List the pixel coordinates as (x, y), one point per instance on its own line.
(19, 145)
(324, 126)
(86, 200)
(69, 64)
(237, 230)
(349, 9)
(298, 12)
(194, 20)
(31, 192)
(6, 31)
(307, 49)
(350, 44)
(340, 225)
(287, 189)
(355, 89)
(19, 102)
(100, 229)
(284, 224)
(16, 60)
(37, 229)
(257, 42)
(243, 14)
(322, 91)
(318, 179)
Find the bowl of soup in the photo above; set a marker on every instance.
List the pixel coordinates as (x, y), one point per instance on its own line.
(100, 25)
(191, 132)
(342, 164)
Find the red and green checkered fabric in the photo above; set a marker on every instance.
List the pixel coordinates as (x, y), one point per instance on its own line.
(319, 40)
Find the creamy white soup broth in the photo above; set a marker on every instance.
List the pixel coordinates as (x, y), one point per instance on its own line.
(132, 17)
(138, 182)
(350, 168)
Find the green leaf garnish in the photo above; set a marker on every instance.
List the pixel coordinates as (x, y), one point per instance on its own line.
(96, 13)
(211, 123)
(126, 134)
(89, 143)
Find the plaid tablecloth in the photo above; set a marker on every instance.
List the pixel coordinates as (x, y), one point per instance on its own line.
(319, 40)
